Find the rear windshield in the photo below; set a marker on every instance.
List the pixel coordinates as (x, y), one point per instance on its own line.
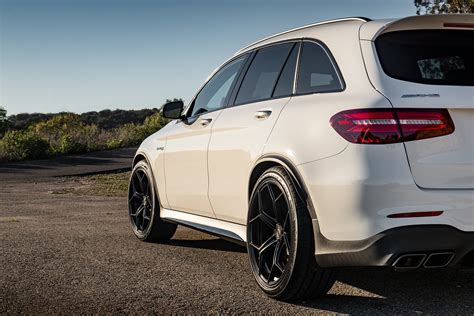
(441, 57)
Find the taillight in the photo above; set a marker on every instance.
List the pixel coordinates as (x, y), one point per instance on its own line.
(386, 126)
(415, 214)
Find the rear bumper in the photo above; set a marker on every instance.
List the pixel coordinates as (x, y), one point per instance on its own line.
(355, 192)
(386, 247)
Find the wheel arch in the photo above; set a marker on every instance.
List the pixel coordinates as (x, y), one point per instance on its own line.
(139, 156)
(142, 156)
(268, 161)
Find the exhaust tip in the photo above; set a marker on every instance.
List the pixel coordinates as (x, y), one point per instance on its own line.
(409, 261)
(439, 260)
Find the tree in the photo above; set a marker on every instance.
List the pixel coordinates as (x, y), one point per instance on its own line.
(173, 100)
(443, 6)
(3, 114)
(3, 120)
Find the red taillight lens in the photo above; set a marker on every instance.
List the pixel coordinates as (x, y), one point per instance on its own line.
(461, 25)
(385, 126)
(421, 124)
(415, 214)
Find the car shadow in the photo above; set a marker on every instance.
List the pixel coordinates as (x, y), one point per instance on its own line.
(383, 290)
(380, 290)
(211, 244)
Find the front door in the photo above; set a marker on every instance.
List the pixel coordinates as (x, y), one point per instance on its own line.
(185, 162)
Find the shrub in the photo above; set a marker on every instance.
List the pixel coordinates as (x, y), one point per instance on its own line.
(153, 123)
(66, 133)
(19, 145)
(105, 119)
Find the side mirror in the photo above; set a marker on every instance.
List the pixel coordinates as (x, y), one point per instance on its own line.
(172, 110)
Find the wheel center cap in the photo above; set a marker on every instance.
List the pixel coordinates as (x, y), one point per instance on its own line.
(279, 231)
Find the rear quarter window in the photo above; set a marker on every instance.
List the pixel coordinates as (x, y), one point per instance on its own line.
(317, 73)
(439, 57)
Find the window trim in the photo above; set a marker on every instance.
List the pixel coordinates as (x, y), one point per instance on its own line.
(297, 67)
(333, 63)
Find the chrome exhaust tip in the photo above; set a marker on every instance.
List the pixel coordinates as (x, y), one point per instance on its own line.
(439, 260)
(409, 261)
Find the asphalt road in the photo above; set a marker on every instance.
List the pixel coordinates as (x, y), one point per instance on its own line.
(69, 165)
(70, 253)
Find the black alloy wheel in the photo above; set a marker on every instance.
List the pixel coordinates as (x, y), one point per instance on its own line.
(270, 231)
(280, 240)
(143, 206)
(140, 201)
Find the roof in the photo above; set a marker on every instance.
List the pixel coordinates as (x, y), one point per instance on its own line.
(296, 30)
(369, 29)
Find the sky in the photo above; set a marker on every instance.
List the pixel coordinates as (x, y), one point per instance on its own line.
(89, 55)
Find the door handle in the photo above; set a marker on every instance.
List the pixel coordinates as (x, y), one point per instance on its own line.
(205, 121)
(262, 114)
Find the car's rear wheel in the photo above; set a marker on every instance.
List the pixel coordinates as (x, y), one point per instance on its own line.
(280, 240)
(143, 207)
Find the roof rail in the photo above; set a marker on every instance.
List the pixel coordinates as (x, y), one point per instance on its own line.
(306, 26)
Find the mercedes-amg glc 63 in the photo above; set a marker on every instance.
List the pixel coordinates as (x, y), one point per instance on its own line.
(343, 143)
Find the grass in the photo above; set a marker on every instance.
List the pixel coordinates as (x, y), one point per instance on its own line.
(105, 184)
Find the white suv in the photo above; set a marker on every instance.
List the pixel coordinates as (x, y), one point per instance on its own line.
(343, 143)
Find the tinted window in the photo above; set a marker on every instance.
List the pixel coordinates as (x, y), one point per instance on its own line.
(317, 73)
(433, 57)
(263, 73)
(284, 85)
(215, 93)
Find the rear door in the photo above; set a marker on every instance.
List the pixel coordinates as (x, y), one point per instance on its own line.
(431, 68)
(241, 131)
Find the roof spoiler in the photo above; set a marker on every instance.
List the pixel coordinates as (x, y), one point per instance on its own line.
(370, 31)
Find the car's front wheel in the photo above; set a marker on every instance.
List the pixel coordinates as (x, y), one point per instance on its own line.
(144, 208)
(280, 241)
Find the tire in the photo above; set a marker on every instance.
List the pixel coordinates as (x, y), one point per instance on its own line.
(144, 207)
(280, 240)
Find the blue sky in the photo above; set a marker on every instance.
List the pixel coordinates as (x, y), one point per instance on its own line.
(84, 55)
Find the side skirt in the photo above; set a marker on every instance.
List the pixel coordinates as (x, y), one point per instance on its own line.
(229, 231)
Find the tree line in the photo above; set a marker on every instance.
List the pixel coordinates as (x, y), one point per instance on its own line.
(43, 135)
(106, 119)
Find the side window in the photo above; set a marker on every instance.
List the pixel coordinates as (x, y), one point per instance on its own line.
(317, 73)
(215, 93)
(284, 85)
(263, 73)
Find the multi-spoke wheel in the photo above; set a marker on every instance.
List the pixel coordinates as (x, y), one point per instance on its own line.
(140, 200)
(270, 231)
(143, 206)
(280, 240)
